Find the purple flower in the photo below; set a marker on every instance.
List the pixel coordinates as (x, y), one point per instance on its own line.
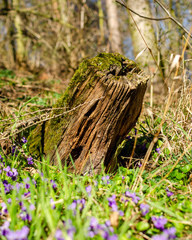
(95, 183)
(133, 196)
(169, 193)
(77, 204)
(121, 213)
(160, 237)
(59, 235)
(14, 174)
(93, 228)
(167, 234)
(70, 228)
(123, 177)
(112, 203)
(29, 159)
(105, 179)
(170, 232)
(27, 194)
(112, 237)
(104, 230)
(52, 203)
(24, 140)
(4, 208)
(88, 190)
(14, 150)
(81, 203)
(73, 205)
(7, 187)
(17, 186)
(159, 222)
(7, 169)
(18, 234)
(25, 216)
(27, 185)
(144, 208)
(32, 207)
(158, 150)
(54, 185)
(4, 228)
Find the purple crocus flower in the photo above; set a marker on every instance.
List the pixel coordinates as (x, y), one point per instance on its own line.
(14, 174)
(159, 222)
(30, 160)
(112, 237)
(52, 203)
(32, 207)
(7, 186)
(169, 193)
(73, 205)
(24, 140)
(79, 203)
(112, 203)
(59, 235)
(4, 228)
(88, 190)
(54, 185)
(4, 210)
(160, 237)
(93, 228)
(14, 150)
(158, 150)
(144, 208)
(105, 179)
(18, 234)
(70, 231)
(7, 169)
(105, 230)
(25, 216)
(170, 232)
(133, 196)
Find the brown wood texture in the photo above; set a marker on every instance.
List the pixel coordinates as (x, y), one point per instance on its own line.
(110, 102)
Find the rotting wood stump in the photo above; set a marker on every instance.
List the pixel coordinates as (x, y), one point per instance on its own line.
(101, 105)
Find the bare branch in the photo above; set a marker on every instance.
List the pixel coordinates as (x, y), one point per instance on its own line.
(173, 19)
(121, 2)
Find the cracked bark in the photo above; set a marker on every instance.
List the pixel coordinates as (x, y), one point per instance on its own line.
(112, 101)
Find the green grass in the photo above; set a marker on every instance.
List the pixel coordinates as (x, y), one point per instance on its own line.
(47, 202)
(50, 207)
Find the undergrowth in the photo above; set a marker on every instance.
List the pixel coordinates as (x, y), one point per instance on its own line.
(40, 201)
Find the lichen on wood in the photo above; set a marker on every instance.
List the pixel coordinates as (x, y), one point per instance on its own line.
(100, 106)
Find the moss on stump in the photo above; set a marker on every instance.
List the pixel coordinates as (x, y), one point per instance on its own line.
(100, 106)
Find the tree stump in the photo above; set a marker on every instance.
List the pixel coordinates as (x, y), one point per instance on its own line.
(100, 106)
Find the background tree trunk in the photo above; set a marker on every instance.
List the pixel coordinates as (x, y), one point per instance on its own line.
(101, 22)
(106, 95)
(19, 40)
(145, 60)
(113, 26)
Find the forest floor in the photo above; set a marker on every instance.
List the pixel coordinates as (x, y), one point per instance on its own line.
(39, 201)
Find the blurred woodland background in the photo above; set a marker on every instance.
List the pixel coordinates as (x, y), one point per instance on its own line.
(53, 36)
